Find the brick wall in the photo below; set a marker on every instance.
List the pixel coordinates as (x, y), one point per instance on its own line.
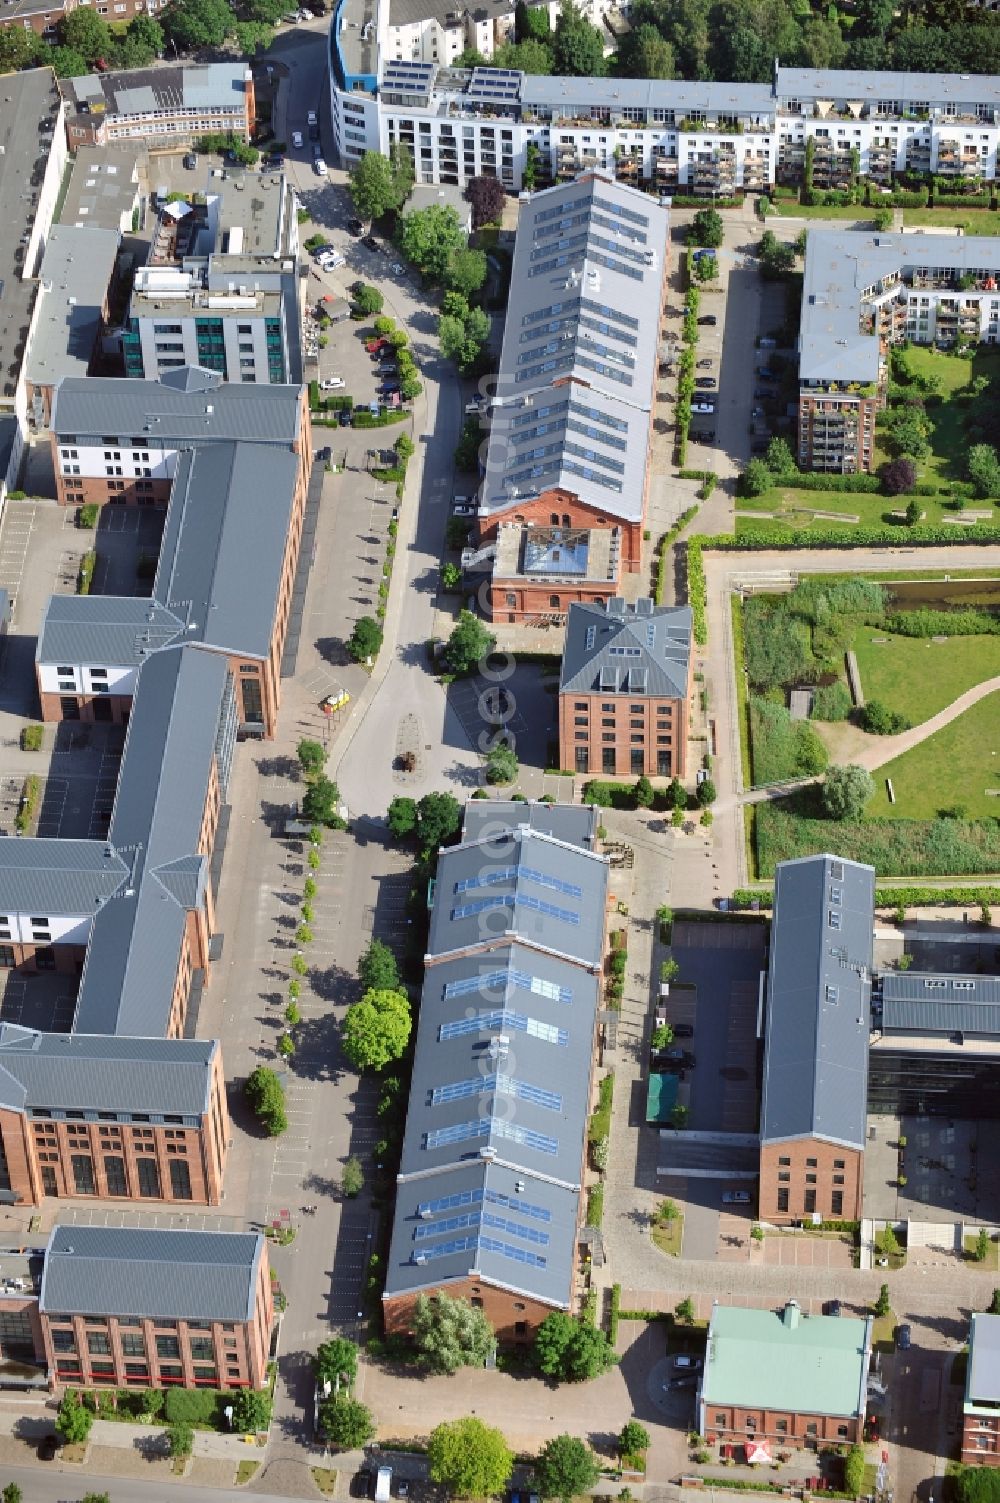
(513, 1317)
(516, 599)
(981, 1440)
(662, 725)
(781, 1426)
(829, 1163)
(559, 508)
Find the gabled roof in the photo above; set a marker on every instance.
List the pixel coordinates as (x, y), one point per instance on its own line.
(167, 1275)
(982, 1384)
(573, 824)
(577, 369)
(65, 877)
(108, 629)
(819, 1002)
(161, 414)
(633, 647)
(92, 1071)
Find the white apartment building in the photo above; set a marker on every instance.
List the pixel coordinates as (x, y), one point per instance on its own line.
(706, 139)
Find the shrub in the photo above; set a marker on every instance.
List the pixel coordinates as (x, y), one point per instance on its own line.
(782, 748)
(31, 790)
(31, 737)
(190, 1406)
(879, 720)
(266, 1099)
(352, 1179)
(831, 702)
(85, 574)
(87, 515)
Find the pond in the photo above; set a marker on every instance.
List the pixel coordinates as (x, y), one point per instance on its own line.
(944, 594)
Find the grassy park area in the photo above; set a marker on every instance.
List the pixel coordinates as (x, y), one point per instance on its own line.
(918, 676)
(953, 768)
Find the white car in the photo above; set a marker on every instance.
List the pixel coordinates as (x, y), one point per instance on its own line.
(702, 407)
(319, 167)
(397, 268)
(311, 117)
(330, 261)
(297, 139)
(332, 383)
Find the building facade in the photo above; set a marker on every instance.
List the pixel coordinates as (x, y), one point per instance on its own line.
(135, 1308)
(625, 690)
(170, 105)
(784, 1379)
(981, 1403)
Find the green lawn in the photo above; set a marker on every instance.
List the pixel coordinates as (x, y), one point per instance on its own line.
(916, 676)
(948, 439)
(954, 766)
(976, 221)
(795, 509)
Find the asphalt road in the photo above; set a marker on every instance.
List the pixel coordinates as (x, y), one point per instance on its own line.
(59, 1485)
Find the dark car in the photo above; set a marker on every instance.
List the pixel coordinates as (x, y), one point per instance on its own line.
(387, 389)
(764, 393)
(904, 1336)
(371, 243)
(314, 132)
(832, 1307)
(681, 1056)
(355, 227)
(708, 437)
(345, 417)
(708, 321)
(704, 383)
(47, 1447)
(190, 161)
(323, 249)
(682, 1030)
(766, 374)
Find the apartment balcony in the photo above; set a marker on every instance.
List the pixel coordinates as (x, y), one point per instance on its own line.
(628, 168)
(665, 170)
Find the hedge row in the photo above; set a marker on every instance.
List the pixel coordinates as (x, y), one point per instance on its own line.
(663, 549)
(813, 482)
(889, 897)
(696, 588)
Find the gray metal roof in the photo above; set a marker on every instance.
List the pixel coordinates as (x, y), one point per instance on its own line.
(577, 369)
(94, 1072)
(573, 824)
(818, 1001)
(983, 1384)
(523, 885)
(915, 1002)
(224, 543)
(103, 188)
(140, 91)
(75, 275)
(134, 1271)
(174, 413)
(909, 89)
(579, 96)
(65, 877)
(103, 629)
(29, 109)
(131, 965)
(634, 648)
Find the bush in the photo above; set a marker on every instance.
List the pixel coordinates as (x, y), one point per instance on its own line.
(266, 1099)
(190, 1406)
(365, 640)
(31, 737)
(879, 720)
(782, 748)
(87, 515)
(832, 702)
(85, 575)
(896, 847)
(31, 791)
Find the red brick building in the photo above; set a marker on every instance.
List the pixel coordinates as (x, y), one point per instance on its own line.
(625, 690)
(981, 1404)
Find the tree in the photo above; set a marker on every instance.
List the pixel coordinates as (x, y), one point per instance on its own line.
(777, 258)
(577, 46)
(19, 49)
(180, 1440)
(982, 1245)
(455, 342)
(11, 1493)
(66, 62)
(707, 228)
(312, 757)
(468, 644)
(756, 479)
(377, 967)
(501, 764)
(706, 793)
(706, 269)
(845, 792)
(402, 817)
(266, 1100)
(565, 1468)
(365, 640)
(529, 56)
(633, 1439)
(685, 1312)
(978, 1485)
(439, 817)
(376, 1030)
(882, 1304)
(677, 794)
(466, 271)
(430, 238)
(644, 793)
(662, 1036)
(486, 196)
(198, 23)
(879, 720)
(320, 801)
(74, 1419)
(995, 1303)
(531, 21)
(368, 300)
(854, 1470)
(898, 476)
(984, 471)
(379, 184)
(909, 428)
(450, 1333)
(568, 1351)
(352, 1181)
(251, 1410)
(532, 157)
(336, 1358)
(888, 1243)
(645, 53)
(84, 30)
(470, 1459)
(345, 1422)
(779, 457)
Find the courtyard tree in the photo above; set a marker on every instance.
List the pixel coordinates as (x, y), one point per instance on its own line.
(345, 1423)
(706, 793)
(312, 757)
(995, 1303)
(468, 644)
(685, 1312)
(466, 271)
(336, 1359)
(377, 968)
(845, 791)
(569, 1351)
(430, 238)
(487, 197)
(379, 184)
(251, 1410)
(756, 479)
(365, 640)
(883, 1304)
(565, 1468)
(633, 1439)
(451, 1333)
(984, 471)
(352, 1180)
(266, 1100)
(180, 1441)
(898, 476)
(706, 228)
(501, 764)
(779, 457)
(73, 1418)
(469, 1458)
(376, 1030)
(402, 817)
(368, 300)
(854, 1470)
(321, 800)
(983, 1244)
(198, 23)
(577, 46)
(439, 818)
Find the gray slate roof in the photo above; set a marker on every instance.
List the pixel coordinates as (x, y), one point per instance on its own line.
(177, 412)
(915, 1002)
(577, 369)
(131, 966)
(132, 1271)
(224, 543)
(983, 1383)
(58, 876)
(94, 1072)
(573, 824)
(109, 629)
(524, 885)
(633, 647)
(818, 1002)
(75, 273)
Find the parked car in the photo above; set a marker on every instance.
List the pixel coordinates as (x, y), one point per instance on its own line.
(297, 140)
(766, 374)
(705, 365)
(682, 1030)
(356, 226)
(464, 509)
(346, 417)
(372, 244)
(764, 393)
(704, 381)
(389, 389)
(683, 1056)
(311, 117)
(708, 321)
(736, 1197)
(319, 167)
(708, 437)
(686, 1364)
(832, 1306)
(374, 345)
(702, 407)
(317, 151)
(768, 344)
(332, 383)
(904, 1337)
(313, 132)
(190, 160)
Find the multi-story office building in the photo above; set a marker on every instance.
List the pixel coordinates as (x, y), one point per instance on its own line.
(75, 281)
(693, 137)
(220, 289)
(489, 1203)
(84, 1115)
(171, 105)
(863, 293)
(571, 418)
(132, 1307)
(625, 689)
